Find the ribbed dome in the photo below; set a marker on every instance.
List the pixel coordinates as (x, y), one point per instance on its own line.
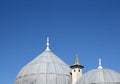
(100, 76)
(46, 68)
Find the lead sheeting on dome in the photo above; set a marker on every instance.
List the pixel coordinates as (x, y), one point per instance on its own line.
(46, 68)
(100, 76)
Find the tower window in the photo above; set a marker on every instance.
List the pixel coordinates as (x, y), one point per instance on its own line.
(79, 70)
(74, 70)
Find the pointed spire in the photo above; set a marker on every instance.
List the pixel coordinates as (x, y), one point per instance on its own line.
(100, 64)
(76, 60)
(47, 45)
(77, 64)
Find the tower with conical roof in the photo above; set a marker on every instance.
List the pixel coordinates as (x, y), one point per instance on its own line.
(76, 70)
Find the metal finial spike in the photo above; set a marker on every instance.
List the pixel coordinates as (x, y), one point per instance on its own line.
(47, 44)
(47, 41)
(100, 64)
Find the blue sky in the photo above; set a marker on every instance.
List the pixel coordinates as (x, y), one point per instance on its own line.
(89, 28)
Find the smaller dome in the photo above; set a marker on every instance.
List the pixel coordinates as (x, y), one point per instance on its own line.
(100, 76)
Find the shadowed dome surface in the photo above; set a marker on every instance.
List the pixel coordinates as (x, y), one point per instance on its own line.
(46, 68)
(100, 76)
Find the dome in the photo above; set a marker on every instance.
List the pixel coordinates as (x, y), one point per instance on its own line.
(47, 68)
(100, 76)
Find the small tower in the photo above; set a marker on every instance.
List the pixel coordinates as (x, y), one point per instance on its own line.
(76, 70)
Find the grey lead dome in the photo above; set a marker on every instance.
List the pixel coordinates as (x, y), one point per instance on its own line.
(47, 68)
(100, 76)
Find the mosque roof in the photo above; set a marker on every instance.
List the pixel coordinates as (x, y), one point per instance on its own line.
(46, 68)
(100, 76)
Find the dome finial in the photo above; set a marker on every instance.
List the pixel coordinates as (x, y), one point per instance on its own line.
(100, 64)
(47, 44)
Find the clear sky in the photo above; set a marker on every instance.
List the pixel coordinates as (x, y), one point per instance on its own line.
(89, 28)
